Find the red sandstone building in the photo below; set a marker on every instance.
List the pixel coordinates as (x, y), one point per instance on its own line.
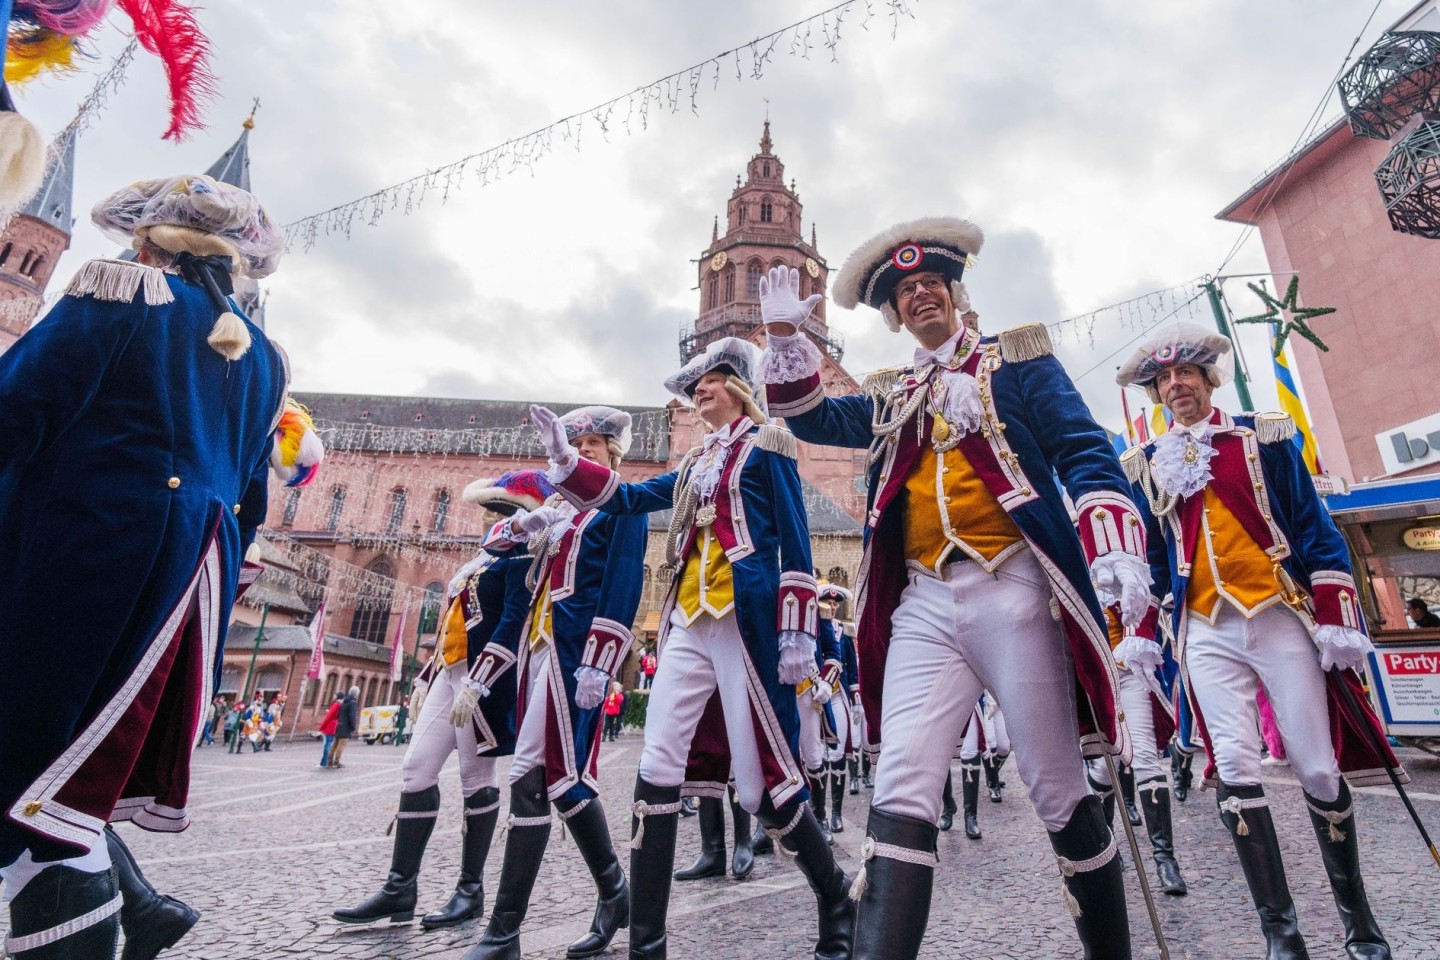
(1374, 397)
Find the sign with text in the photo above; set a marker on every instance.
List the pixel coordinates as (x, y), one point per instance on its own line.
(1409, 682)
(1410, 445)
(1422, 538)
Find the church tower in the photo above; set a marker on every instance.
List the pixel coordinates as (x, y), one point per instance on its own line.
(31, 244)
(763, 229)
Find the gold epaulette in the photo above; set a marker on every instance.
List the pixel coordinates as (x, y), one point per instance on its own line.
(879, 383)
(777, 439)
(1025, 343)
(1135, 464)
(1274, 427)
(118, 281)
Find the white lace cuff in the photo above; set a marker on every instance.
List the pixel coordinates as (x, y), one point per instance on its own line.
(788, 359)
(560, 470)
(797, 656)
(1343, 647)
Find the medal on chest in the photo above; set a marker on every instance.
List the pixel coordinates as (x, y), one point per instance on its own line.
(705, 515)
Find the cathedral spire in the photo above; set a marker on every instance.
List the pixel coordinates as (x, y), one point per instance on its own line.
(765, 142)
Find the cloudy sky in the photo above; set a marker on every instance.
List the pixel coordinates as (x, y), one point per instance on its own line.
(1093, 142)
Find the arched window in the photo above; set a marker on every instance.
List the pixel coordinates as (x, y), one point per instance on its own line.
(839, 576)
(337, 507)
(329, 696)
(714, 293)
(765, 170)
(752, 281)
(25, 263)
(442, 511)
(5, 252)
(373, 689)
(398, 500)
(35, 264)
(430, 606)
(372, 610)
(729, 284)
(292, 507)
(271, 680)
(767, 210)
(740, 213)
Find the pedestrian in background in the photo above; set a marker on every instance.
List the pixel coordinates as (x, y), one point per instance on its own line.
(327, 730)
(402, 717)
(648, 664)
(614, 710)
(232, 718)
(348, 723)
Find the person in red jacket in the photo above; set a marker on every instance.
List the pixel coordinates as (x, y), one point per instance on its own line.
(328, 727)
(614, 709)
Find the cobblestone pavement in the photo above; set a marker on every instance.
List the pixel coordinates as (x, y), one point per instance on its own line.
(277, 843)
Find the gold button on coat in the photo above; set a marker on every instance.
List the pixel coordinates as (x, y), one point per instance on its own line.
(236, 508)
(173, 483)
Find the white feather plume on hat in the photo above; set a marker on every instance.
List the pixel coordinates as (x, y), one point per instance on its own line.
(860, 268)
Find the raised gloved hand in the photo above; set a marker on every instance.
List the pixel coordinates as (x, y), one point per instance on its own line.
(590, 684)
(1142, 656)
(467, 698)
(552, 435)
(781, 308)
(531, 522)
(797, 656)
(1126, 578)
(1341, 648)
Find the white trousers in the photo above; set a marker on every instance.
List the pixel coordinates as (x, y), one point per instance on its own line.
(530, 738)
(434, 737)
(953, 638)
(997, 735)
(1140, 718)
(814, 752)
(699, 659)
(857, 730)
(1227, 661)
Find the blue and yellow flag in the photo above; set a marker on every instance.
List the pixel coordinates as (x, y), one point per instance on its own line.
(1290, 403)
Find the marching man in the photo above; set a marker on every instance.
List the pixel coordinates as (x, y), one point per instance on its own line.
(587, 581)
(738, 633)
(973, 577)
(1263, 594)
(822, 750)
(479, 637)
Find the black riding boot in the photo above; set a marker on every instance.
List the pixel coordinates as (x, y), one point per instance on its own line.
(527, 834)
(1127, 792)
(817, 780)
(396, 899)
(743, 860)
(482, 810)
(587, 823)
(866, 773)
(837, 796)
(992, 777)
(1095, 895)
(970, 796)
(152, 921)
(800, 834)
(652, 857)
(1155, 799)
(760, 842)
(1180, 773)
(854, 776)
(1335, 829)
(1106, 795)
(947, 803)
(1246, 814)
(711, 862)
(57, 897)
(894, 895)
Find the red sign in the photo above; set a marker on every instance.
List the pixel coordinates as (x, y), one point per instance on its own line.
(1410, 664)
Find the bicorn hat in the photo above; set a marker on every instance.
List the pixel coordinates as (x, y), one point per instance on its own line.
(934, 244)
(1176, 344)
(511, 491)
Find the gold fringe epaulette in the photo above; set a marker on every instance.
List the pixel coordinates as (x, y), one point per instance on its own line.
(879, 383)
(1274, 427)
(1025, 343)
(777, 440)
(118, 281)
(1135, 464)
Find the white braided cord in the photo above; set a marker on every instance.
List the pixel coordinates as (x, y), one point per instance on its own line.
(1068, 867)
(567, 814)
(43, 938)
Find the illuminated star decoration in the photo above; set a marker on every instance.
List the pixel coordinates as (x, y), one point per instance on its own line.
(1298, 315)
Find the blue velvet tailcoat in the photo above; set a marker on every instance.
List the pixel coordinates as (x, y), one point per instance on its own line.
(498, 598)
(132, 470)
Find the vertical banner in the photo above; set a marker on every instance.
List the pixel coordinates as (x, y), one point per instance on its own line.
(397, 648)
(317, 640)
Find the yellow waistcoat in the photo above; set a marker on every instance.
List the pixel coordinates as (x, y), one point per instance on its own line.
(453, 642)
(948, 507)
(1229, 566)
(706, 583)
(541, 630)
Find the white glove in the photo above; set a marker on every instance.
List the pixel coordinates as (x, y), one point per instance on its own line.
(552, 435)
(1342, 647)
(531, 522)
(467, 698)
(417, 700)
(819, 689)
(797, 656)
(590, 684)
(1125, 578)
(781, 308)
(1142, 656)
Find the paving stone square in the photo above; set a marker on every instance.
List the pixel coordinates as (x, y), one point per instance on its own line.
(277, 843)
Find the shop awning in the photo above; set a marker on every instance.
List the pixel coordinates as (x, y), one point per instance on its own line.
(1387, 500)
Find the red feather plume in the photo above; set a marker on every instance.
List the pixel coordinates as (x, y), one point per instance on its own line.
(169, 29)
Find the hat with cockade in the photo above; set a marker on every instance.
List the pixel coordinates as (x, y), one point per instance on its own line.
(870, 275)
(1177, 344)
(511, 491)
(738, 359)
